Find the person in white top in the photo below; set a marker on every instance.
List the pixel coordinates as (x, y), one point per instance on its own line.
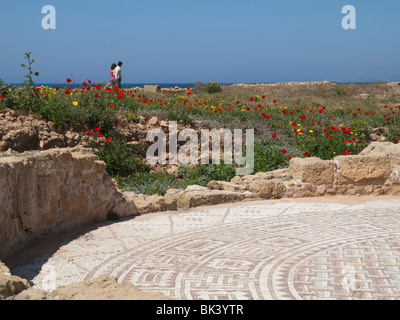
(117, 74)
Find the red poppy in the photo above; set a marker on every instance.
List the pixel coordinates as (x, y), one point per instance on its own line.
(189, 93)
(69, 80)
(345, 153)
(275, 101)
(1, 97)
(274, 136)
(107, 141)
(188, 88)
(96, 96)
(90, 81)
(290, 158)
(111, 106)
(100, 135)
(58, 88)
(306, 154)
(284, 112)
(251, 99)
(89, 133)
(97, 129)
(84, 84)
(263, 97)
(284, 151)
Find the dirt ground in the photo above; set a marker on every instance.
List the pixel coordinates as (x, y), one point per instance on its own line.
(104, 288)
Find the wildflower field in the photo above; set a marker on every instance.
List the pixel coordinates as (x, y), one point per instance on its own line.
(301, 121)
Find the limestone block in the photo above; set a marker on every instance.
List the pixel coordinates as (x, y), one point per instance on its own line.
(268, 188)
(387, 148)
(151, 88)
(312, 170)
(223, 185)
(373, 168)
(202, 198)
(10, 285)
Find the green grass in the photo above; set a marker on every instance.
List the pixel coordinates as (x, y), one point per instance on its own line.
(295, 121)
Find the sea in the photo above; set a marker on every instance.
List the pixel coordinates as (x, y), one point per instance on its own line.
(123, 85)
(166, 85)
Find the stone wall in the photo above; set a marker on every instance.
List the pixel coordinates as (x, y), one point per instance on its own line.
(375, 171)
(48, 191)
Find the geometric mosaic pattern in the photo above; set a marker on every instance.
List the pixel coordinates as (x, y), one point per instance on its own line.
(281, 250)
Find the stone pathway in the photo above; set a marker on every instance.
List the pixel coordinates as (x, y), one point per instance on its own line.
(282, 249)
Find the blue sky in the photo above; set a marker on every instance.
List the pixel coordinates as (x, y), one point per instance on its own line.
(207, 40)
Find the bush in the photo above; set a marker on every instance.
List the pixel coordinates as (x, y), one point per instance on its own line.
(203, 174)
(148, 183)
(213, 87)
(121, 159)
(268, 156)
(359, 126)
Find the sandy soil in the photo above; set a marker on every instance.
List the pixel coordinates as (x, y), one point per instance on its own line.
(104, 288)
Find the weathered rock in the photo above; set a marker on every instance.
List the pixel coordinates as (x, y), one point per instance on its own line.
(365, 169)
(196, 187)
(312, 170)
(191, 199)
(169, 203)
(172, 191)
(304, 190)
(42, 192)
(153, 121)
(151, 88)
(10, 285)
(223, 185)
(145, 206)
(237, 180)
(389, 149)
(267, 189)
(21, 139)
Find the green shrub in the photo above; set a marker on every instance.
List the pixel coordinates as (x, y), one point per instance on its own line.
(121, 159)
(360, 127)
(148, 183)
(203, 174)
(268, 156)
(212, 87)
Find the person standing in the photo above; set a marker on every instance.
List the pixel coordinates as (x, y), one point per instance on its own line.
(117, 74)
(112, 76)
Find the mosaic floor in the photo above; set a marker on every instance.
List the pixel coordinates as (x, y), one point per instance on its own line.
(280, 250)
